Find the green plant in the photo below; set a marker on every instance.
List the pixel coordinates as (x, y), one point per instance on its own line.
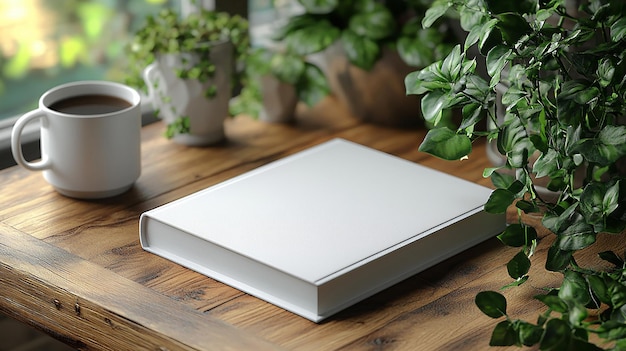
(195, 34)
(307, 79)
(562, 67)
(363, 28)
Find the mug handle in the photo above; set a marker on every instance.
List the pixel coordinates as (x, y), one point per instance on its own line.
(150, 76)
(16, 142)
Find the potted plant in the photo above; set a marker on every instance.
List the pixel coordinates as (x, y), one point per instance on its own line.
(275, 80)
(562, 67)
(188, 66)
(365, 49)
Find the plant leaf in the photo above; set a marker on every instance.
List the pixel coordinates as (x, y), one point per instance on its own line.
(435, 11)
(433, 104)
(611, 257)
(287, 68)
(312, 39)
(376, 24)
(546, 164)
(503, 334)
(319, 6)
(607, 148)
(428, 79)
(501, 180)
(312, 86)
(499, 201)
(497, 58)
(576, 236)
(574, 288)
(446, 144)
(557, 259)
(557, 334)
(513, 142)
(618, 29)
(491, 303)
(361, 51)
(451, 66)
(512, 27)
(553, 302)
(529, 334)
(518, 266)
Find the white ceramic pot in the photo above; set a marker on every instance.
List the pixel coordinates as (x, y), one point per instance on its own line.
(174, 97)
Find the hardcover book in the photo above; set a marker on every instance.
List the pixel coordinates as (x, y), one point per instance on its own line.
(320, 230)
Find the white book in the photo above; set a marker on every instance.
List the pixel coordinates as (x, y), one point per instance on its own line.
(320, 230)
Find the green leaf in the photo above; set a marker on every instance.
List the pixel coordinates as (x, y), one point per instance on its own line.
(488, 36)
(446, 144)
(428, 79)
(501, 180)
(617, 293)
(613, 135)
(287, 68)
(576, 237)
(435, 11)
(518, 6)
(605, 72)
(578, 91)
(557, 259)
(294, 24)
(518, 235)
(451, 66)
(557, 334)
(375, 24)
(414, 51)
(513, 27)
(319, 6)
(608, 147)
(499, 201)
(516, 282)
(514, 143)
(547, 163)
(518, 266)
(516, 187)
(361, 51)
(504, 334)
(312, 86)
(574, 288)
(610, 202)
(599, 288)
(618, 29)
(611, 257)
(591, 202)
(497, 58)
(553, 302)
(529, 334)
(472, 114)
(491, 303)
(312, 39)
(433, 104)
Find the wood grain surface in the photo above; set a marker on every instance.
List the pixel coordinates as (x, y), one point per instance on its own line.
(75, 269)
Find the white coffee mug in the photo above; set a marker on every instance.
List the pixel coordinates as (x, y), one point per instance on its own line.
(86, 154)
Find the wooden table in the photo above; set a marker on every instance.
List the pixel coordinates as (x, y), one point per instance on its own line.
(75, 269)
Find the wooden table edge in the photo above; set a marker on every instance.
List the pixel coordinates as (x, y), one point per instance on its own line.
(48, 283)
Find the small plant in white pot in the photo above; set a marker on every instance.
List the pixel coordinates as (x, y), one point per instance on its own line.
(188, 66)
(275, 81)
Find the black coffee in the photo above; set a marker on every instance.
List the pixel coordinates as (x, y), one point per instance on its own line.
(90, 105)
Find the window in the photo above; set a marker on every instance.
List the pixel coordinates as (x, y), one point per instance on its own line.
(45, 43)
(51, 42)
